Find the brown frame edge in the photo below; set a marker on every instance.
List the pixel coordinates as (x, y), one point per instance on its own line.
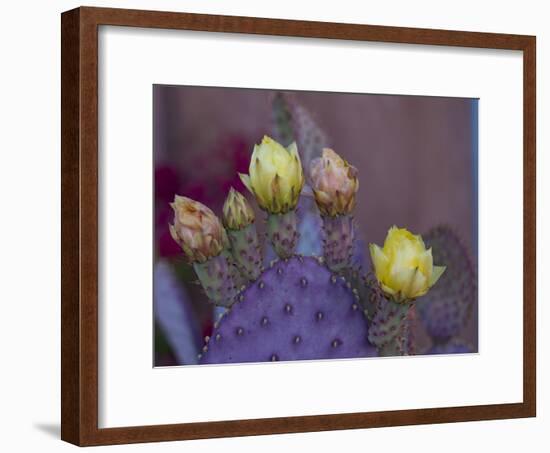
(79, 257)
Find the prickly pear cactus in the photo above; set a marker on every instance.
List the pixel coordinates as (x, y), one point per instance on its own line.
(445, 310)
(295, 306)
(296, 310)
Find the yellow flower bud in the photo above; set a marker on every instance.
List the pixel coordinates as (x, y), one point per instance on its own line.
(403, 267)
(197, 230)
(275, 176)
(237, 212)
(334, 183)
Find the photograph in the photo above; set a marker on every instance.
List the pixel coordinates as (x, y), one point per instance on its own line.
(304, 225)
(271, 227)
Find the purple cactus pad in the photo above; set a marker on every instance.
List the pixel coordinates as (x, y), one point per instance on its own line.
(446, 308)
(296, 310)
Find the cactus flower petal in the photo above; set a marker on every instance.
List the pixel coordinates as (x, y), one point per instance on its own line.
(437, 272)
(402, 278)
(387, 289)
(246, 181)
(419, 285)
(426, 262)
(379, 260)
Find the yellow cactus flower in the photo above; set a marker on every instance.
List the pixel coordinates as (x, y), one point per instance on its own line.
(237, 212)
(334, 183)
(197, 230)
(403, 267)
(275, 176)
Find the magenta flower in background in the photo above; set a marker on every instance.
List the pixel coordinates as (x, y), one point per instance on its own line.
(167, 183)
(219, 169)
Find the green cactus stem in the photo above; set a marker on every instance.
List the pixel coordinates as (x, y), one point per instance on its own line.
(365, 289)
(246, 251)
(291, 122)
(282, 231)
(217, 277)
(282, 120)
(338, 241)
(390, 329)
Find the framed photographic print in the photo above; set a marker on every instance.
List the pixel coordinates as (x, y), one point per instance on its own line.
(275, 226)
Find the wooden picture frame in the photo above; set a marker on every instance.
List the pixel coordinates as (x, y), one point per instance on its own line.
(79, 341)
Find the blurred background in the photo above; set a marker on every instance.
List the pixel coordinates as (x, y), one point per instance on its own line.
(417, 162)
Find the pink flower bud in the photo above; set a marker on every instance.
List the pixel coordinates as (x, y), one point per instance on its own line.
(197, 230)
(334, 183)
